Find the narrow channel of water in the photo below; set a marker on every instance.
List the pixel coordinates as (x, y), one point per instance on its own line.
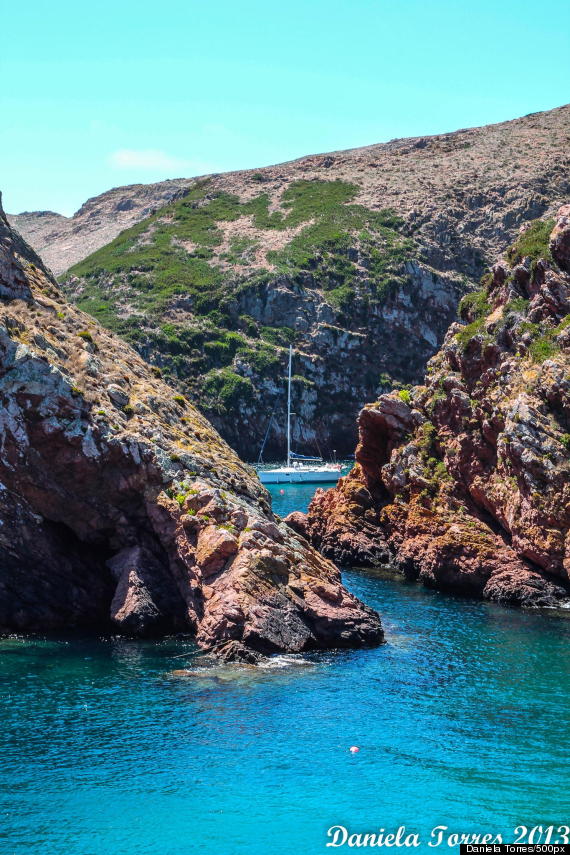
(461, 720)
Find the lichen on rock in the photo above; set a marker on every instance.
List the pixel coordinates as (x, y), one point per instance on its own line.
(121, 508)
(464, 483)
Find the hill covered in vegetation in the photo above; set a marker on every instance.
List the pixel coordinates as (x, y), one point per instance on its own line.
(357, 258)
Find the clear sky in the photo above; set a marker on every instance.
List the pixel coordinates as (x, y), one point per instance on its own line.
(95, 95)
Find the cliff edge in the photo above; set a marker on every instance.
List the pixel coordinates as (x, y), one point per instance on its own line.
(464, 483)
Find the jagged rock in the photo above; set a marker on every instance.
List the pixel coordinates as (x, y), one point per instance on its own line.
(145, 601)
(560, 239)
(233, 651)
(117, 395)
(121, 509)
(472, 493)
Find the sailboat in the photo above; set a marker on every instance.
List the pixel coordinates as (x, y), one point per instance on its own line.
(299, 469)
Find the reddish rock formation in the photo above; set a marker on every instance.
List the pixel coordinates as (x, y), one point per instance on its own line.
(122, 509)
(464, 483)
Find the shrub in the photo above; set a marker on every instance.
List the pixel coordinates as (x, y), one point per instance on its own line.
(228, 527)
(302, 381)
(226, 389)
(278, 335)
(474, 306)
(426, 438)
(532, 243)
(469, 332)
(241, 251)
(519, 305)
(263, 358)
(248, 325)
(543, 348)
(341, 297)
(234, 340)
(405, 396)
(180, 400)
(218, 351)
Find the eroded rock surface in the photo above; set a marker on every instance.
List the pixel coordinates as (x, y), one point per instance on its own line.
(122, 509)
(464, 483)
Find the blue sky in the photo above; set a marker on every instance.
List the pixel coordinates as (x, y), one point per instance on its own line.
(101, 94)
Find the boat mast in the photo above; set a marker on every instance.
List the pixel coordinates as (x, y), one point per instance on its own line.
(289, 408)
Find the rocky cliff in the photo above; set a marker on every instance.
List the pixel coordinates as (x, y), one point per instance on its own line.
(358, 258)
(122, 509)
(464, 483)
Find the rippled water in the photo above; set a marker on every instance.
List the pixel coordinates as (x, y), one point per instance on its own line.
(461, 719)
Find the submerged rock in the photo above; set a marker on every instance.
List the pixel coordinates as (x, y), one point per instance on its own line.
(122, 509)
(464, 483)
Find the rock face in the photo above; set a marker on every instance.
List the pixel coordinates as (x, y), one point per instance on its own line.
(464, 483)
(123, 510)
(359, 258)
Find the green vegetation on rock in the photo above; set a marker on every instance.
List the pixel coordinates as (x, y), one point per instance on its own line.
(539, 338)
(474, 306)
(471, 331)
(173, 252)
(532, 243)
(176, 288)
(213, 288)
(227, 389)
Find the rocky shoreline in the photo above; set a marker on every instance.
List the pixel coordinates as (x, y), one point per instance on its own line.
(121, 508)
(464, 483)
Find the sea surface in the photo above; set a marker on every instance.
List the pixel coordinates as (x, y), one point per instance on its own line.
(461, 719)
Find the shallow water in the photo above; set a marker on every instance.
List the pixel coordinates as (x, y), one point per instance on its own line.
(461, 719)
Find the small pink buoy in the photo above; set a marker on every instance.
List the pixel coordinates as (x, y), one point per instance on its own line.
(354, 749)
(282, 492)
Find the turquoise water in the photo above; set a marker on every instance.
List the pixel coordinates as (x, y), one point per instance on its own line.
(293, 497)
(461, 719)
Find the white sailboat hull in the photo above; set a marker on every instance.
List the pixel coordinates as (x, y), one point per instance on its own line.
(300, 475)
